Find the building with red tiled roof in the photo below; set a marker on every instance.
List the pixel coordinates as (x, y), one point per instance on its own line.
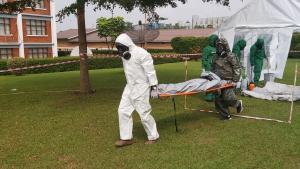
(68, 39)
(30, 34)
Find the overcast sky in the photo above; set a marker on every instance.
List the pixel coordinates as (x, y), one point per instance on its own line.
(182, 13)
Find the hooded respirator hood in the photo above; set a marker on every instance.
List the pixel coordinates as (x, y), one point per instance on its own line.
(260, 43)
(124, 45)
(212, 40)
(222, 47)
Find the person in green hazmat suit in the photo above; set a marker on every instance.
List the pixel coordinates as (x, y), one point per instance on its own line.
(257, 56)
(207, 57)
(208, 53)
(238, 47)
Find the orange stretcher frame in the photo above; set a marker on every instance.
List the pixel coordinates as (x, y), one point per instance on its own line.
(210, 90)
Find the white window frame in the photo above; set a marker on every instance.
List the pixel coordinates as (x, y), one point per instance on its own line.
(36, 27)
(39, 5)
(38, 53)
(5, 26)
(6, 53)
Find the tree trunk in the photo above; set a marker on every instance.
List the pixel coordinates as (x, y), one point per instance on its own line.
(85, 86)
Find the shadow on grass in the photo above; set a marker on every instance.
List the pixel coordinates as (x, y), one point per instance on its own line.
(186, 120)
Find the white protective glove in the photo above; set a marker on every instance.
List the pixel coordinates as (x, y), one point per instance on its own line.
(154, 92)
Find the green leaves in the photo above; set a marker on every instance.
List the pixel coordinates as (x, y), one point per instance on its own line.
(222, 2)
(127, 5)
(110, 28)
(17, 6)
(188, 44)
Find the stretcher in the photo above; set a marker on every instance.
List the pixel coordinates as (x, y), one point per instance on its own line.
(215, 89)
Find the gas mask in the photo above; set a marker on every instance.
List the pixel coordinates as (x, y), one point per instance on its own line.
(220, 50)
(123, 51)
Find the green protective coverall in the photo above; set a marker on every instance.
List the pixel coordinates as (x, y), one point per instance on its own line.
(257, 56)
(237, 50)
(238, 47)
(208, 53)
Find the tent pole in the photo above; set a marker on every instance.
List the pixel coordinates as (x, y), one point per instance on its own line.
(292, 104)
(259, 118)
(186, 77)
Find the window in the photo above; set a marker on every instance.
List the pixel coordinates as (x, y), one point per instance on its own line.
(36, 53)
(36, 27)
(5, 53)
(3, 1)
(40, 4)
(4, 26)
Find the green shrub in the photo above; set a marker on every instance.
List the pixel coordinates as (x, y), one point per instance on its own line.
(3, 65)
(105, 51)
(295, 42)
(64, 53)
(158, 51)
(17, 63)
(114, 52)
(294, 54)
(188, 44)
(297, 47)
(93, 63)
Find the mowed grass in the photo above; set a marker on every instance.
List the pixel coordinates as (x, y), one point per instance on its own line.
(67, 130)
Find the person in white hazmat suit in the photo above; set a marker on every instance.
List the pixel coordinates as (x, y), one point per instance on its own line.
(141, 84)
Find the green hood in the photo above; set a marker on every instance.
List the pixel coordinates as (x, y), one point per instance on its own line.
(242, 44)
(259, 43)
(212, 40)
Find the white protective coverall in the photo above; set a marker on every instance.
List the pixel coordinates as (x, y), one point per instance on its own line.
(140, 76)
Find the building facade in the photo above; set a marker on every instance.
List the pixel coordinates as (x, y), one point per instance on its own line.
(68, 39)
(30, 34)
(210, 22)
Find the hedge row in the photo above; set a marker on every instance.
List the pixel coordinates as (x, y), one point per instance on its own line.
(93, 63)
(294, 54)
(188, 44)
(100, 52)
(295, 44)
(62, 53)
(196, 44)
(159, 51)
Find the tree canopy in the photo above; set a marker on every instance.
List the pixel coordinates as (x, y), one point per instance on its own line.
(110, 28)
(17, 6)
(128, 5)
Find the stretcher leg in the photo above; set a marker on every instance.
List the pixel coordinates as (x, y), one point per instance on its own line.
(175, 118)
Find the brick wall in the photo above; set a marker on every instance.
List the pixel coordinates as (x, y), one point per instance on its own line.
(15, 53)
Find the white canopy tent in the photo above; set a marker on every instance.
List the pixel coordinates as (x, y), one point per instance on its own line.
(272, 20)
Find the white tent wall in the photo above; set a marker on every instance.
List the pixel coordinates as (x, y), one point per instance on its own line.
(272, 20)
(277, 44)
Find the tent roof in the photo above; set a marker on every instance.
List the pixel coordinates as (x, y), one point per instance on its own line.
(265, 14)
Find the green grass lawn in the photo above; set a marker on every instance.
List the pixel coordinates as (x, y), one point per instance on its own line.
(67, 130)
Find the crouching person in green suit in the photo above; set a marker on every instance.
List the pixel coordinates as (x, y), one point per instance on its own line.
(207, 57)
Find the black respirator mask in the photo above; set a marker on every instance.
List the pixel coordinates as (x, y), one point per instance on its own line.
(220, 50)
(123, 51)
